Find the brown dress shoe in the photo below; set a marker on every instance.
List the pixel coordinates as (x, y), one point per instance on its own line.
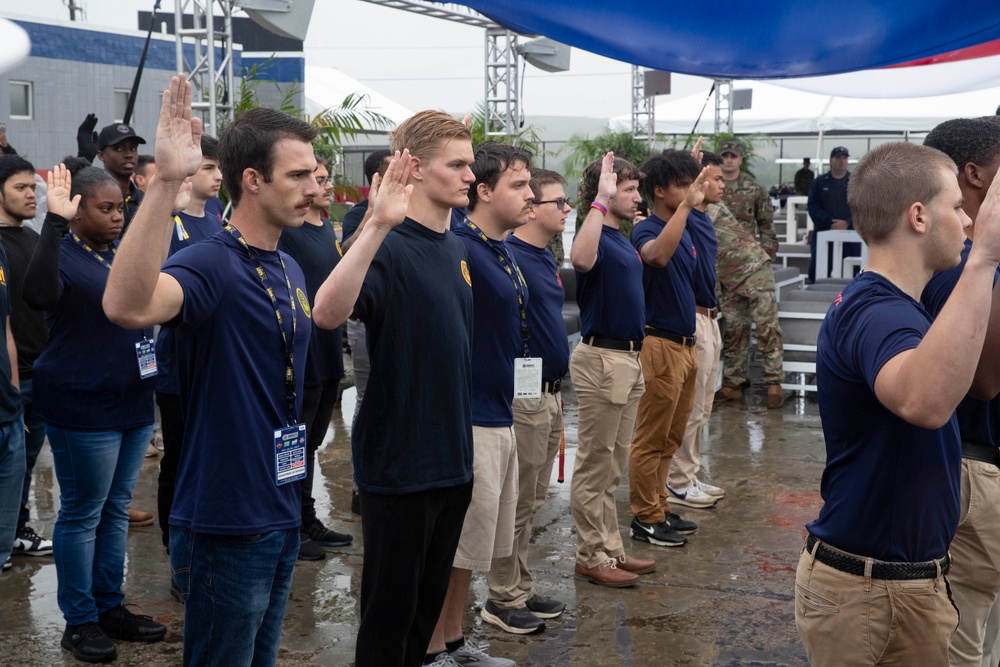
(775, 397)
(607, 574)
(139, 518)
(728, 394)
(635, 565)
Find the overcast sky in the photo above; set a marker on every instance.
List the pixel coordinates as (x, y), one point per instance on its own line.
(418, 61)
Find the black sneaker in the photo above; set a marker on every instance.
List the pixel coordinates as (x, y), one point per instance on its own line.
(120, 623)
(7, 564)
(682, 526)
(355, 502)
(660, 534)
(323, 536)
(88, 643)
(516, 621)
(309, 549)
(29, 543)
(544, 607)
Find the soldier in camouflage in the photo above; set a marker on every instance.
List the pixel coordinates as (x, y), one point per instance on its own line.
(747, 199)
(746, 294)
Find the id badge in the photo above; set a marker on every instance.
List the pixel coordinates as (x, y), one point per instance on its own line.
(528, 377)
(145, 351)
(290, 454)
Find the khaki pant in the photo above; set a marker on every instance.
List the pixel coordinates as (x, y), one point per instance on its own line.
(846, 620)
(538, 427)
(608, 385)
(488, 531)
(687, 459)
(669, 371)
(975, 569)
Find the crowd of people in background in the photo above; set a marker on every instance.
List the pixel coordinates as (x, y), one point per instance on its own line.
(140, 290)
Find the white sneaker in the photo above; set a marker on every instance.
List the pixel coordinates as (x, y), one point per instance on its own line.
(443, 659)
(691, 496)
(470, 654)
(711, 490)
(29, 543)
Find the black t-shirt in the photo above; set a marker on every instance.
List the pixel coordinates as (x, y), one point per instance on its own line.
(352, 220)
(314, 247)
(414, 430)
(27, 324)
(10, 399)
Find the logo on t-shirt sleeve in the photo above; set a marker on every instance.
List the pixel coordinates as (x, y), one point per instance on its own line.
(303, 301)
(465, 273)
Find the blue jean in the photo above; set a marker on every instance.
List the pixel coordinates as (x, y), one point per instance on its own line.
(11, 479)
(34, 438)
(235, 589)
(97, 471)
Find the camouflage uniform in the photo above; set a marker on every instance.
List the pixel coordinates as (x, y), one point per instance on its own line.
(745, 285)
(749, 203)
(555, 244)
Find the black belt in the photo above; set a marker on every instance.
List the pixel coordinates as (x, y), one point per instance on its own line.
(686, 341)
(612, 344)
(553, 387)
(880, 569)
(978, 452)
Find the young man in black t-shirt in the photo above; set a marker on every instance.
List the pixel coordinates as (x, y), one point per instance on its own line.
(407, 278)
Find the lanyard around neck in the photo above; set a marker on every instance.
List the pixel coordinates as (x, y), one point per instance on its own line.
(93, 253)
(509, 265)
(289, 344)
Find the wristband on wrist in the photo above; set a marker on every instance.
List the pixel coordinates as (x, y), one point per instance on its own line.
(600, 207)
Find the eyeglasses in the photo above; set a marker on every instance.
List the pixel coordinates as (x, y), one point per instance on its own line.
(560, 203)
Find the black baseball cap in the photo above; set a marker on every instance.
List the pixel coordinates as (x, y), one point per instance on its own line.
(839, 151)
(116, 133)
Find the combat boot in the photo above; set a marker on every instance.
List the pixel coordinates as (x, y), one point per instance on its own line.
(728, 394)
(775, 398)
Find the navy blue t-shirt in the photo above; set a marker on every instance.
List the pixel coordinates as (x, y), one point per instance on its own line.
(414, 430)
(891, 488)
(546, 328)
(610, 294)
(188, 230)
(352, 219)
(702, 231)
(231, 365)
(314, 247)
(496, 329)
(10, 399)
(978, 421)
(87, 377)
(669, 291)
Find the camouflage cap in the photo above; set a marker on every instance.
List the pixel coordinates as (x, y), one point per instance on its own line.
(731, 146)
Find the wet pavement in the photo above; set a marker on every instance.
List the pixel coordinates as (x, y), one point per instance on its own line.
(725, 599)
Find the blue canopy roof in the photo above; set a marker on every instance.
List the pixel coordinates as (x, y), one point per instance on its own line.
(769, 39)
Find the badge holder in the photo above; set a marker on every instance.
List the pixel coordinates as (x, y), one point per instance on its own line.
(528, 377)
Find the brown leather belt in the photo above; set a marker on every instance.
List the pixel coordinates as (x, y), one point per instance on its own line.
(711, 313)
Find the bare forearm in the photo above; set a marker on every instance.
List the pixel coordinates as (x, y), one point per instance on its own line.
(928, 384)
(136, 268)
(337, 295)
(583, 252)
(659, 251)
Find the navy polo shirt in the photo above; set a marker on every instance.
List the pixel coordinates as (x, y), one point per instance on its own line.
(231, 366)
(978, 421)
(669, 292)
(87, 377)
(314, 248)
(546, 328)
(496, 337)
(702, 231)
(188, 230)
(610, 294)
(891, 489)
(414, 430)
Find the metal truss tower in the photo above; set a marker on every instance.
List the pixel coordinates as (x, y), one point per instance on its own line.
(643, 109)
(503, 107)
(210, 73)
(724, 105)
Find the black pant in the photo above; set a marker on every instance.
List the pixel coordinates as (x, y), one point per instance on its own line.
(172, 427)
(410, 544)
(318, 402)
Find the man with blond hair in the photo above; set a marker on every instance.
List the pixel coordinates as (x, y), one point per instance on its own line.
(874, 563)
(407, 279)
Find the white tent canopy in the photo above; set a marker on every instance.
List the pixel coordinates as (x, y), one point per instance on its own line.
(778, 110)
(327, 87)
